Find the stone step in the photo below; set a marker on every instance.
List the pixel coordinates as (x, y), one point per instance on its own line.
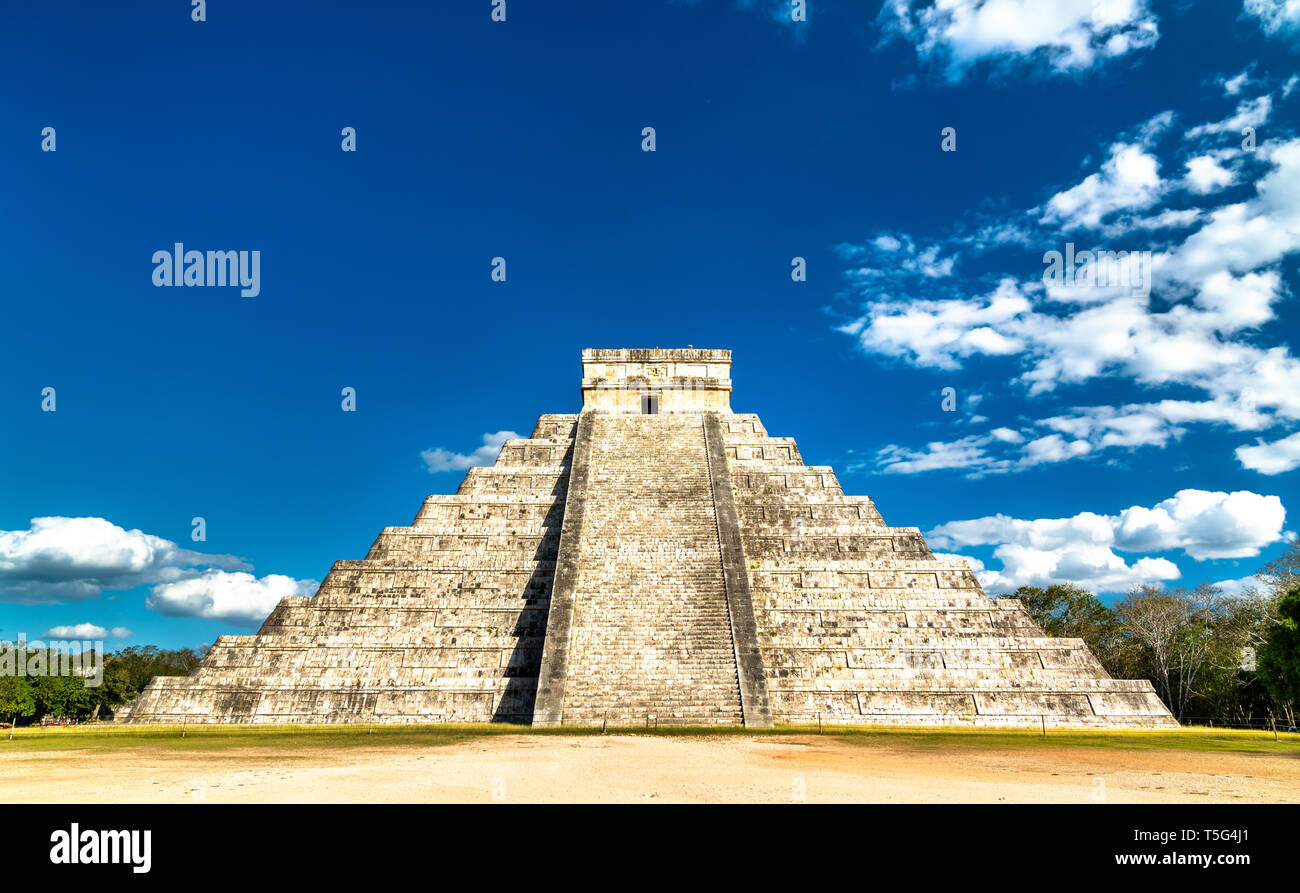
(651, 626)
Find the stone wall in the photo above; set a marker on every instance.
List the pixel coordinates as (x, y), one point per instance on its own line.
(682, 380)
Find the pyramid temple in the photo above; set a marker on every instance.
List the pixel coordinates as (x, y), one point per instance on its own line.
(653, 559)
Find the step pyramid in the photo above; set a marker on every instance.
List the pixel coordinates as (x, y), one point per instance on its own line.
(655, 559)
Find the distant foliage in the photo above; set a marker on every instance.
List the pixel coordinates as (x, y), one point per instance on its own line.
(1279, 655)
(36, 695)
(1210, 656)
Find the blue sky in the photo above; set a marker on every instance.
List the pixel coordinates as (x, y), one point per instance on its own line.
(1113, 435)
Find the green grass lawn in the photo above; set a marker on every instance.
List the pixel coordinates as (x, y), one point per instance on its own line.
(109, 737)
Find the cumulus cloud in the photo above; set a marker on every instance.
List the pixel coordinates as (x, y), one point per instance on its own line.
(1083, 548)
(1066, 35)
(75, 559)
(87, 631)
(1271, 458)
(222, 595)
(439, 459)
(940, 333)
(1247, 235)
(1205, 175)
(1204, 524)
(1128, 180)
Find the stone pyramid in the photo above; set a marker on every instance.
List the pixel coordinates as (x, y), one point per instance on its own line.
(654, 559)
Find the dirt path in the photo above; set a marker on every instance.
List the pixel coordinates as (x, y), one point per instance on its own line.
(620, 768)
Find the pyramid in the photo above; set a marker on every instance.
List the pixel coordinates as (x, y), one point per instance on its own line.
(654, 559)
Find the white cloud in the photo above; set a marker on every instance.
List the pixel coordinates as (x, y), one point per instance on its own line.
(221, 595)
(1067, 35)
(968, 453)
(1088, 430)
(87, 631)
(1107, 426)
(996, 234)
(1271, 458)
(1204, 175)
(1094, 567)
(1247, 235)
(1275, 15)
(1220, 281)
(1249, 113)
(1233, 85)
(1195, 321)
(75, 559)
(1123, 334)
(1082, 549)
(1170, 218)
(1128, 180)
(1150, 424)
(939, 333)
(1239, 587)
(444, 460)
(1054, 448)
(1203, 524)
(894, 255)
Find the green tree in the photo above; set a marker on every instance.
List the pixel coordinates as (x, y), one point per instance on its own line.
(1228, 689)
(1065, 610)
(114, 689)
(1279, 656)
(129, 670)
(16, 697)
(61, 696)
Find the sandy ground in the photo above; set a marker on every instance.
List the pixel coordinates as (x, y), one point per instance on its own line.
(623, 768)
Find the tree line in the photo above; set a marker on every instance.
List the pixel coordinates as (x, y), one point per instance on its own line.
(37, 694)
(1211, 656)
